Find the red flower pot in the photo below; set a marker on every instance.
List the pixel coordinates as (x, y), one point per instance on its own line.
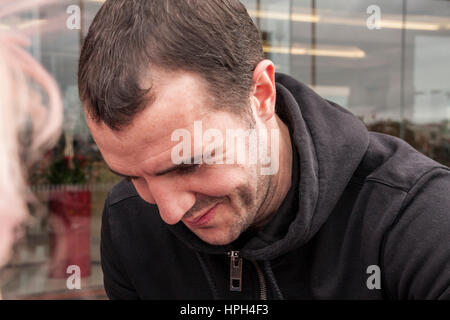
(70, 220)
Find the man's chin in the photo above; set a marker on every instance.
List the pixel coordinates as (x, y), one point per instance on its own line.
(214, 237)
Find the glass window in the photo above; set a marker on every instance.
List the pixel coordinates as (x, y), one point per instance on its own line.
(387, 63)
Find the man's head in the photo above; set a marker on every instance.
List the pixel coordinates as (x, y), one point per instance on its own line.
(215, 39)
(150, 68)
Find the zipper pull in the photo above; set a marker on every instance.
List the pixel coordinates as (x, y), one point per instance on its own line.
(235, 271)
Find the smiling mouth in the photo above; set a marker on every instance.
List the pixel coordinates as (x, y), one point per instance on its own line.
(204, 218)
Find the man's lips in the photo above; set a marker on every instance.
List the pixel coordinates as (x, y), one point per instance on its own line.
(204, 217)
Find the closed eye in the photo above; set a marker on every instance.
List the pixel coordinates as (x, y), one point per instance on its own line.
(188, 169)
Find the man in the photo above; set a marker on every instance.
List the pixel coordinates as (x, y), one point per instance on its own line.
(341, 212)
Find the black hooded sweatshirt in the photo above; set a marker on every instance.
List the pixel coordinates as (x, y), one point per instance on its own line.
(367, 217)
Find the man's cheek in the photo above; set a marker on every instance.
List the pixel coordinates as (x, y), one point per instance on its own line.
(223, 180)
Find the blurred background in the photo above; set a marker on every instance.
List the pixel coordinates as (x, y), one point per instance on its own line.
(387, 62)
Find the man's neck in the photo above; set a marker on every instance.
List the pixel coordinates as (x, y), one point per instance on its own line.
(282, 180)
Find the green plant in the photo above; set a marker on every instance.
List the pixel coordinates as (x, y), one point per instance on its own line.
(69, 170)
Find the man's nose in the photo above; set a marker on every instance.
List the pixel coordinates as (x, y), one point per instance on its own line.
(172, 198)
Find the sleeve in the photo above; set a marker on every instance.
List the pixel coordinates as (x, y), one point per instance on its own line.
(416, 255)
(115, 281)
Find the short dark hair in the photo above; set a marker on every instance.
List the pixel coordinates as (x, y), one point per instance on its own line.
(216, 39)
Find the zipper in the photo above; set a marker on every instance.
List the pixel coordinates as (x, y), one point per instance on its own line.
(235, 271)
(236, 275)
(262, 282)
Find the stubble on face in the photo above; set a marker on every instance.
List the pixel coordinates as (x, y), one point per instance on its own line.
(243, 207)
(246, 206)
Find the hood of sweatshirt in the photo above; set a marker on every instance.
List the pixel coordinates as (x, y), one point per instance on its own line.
(328, 144)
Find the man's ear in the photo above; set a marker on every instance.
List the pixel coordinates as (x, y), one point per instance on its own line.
(264, 90)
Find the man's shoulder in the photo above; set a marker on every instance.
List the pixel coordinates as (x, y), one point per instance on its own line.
(394, 163)
(128, 216)
(121, 191)
(123, 204)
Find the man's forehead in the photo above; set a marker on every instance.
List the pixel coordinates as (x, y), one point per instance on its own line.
(177, 104)
(145, 132)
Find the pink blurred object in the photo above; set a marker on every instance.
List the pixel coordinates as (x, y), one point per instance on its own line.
(20, 109)
(70, 220)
